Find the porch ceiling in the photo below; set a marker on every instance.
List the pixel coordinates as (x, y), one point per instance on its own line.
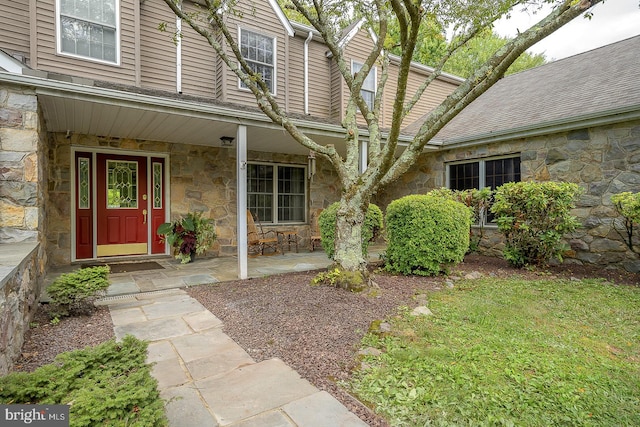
(181, 123)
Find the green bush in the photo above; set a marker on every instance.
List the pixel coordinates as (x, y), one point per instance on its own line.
(75, 292)
(327, 223)
(109, 384)
(628, 207)
(533, 218)
(426, 234)
(478, 201)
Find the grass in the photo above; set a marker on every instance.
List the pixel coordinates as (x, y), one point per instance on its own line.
(510, 352)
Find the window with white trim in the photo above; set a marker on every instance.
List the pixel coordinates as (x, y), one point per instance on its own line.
(483, 173)
(368, 90)
(276, 193)
(89, 28)
(260, 53)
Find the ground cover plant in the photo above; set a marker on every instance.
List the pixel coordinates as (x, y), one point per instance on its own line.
(510, 352)
(109, 384)
(75, 292)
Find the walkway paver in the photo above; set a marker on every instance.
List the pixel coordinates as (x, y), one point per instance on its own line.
(207, 379)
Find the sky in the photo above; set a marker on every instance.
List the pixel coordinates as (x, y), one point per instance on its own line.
(613, 20)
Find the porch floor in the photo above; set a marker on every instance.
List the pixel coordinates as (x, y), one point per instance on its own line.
(207, 270)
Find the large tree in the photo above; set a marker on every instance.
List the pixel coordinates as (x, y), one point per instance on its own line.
(467, 18)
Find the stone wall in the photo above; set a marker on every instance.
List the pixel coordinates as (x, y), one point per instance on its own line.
(602, 160)
(23, 197)
(19, 139)
(21, 279)
(202, 179)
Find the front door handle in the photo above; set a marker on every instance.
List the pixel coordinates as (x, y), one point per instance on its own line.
(144, 213)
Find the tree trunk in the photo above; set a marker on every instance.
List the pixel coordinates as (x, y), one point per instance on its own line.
(349, 222)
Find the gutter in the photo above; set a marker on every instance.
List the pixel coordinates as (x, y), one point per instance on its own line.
(606, 117)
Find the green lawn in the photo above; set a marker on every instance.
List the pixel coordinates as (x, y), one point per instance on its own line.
(510, 352)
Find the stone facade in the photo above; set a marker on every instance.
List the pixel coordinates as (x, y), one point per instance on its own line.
(201, 179)
(602, 160)
(20, 197)
(23, 199)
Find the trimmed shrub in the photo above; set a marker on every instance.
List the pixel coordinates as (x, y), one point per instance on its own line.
(110, 384)
(627, 205)
(478, 201)
(327, 223)
(534, 216)
(75, 292)
(426, 234)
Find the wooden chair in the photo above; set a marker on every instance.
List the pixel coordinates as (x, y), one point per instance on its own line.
(258, 240)
(315, 239)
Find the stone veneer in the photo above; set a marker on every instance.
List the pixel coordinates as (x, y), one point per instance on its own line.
(22, 226)
(602, 160)
(19, 139)
(202, 179)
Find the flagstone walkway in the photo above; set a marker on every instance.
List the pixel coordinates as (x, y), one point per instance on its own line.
(204, 376)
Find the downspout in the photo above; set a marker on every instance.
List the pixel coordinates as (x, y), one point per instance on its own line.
(306, 72)
(179, 53)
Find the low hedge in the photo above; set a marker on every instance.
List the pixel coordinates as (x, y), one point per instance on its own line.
(426, 234)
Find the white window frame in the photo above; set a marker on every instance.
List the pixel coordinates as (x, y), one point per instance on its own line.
(482, 175)
(274, 192)
(373, 70)
(88, 58)
(274, 83)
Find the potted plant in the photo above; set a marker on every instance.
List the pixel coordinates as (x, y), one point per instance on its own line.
(190, 235)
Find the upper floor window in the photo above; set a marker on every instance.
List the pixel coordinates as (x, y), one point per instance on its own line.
(478, 174)
(260, 53)
(276, 193)
(89, 28)
(368, 90)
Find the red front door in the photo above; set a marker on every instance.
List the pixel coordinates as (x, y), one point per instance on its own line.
(122, 205)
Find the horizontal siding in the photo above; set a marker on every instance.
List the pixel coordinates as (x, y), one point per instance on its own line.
(295, 75)
(49, 60)
(198, 63)
(319, 80)
(358, 49)
(157, 50)
(14, 26)
(260, 18)
(337, 88)
(437, 91)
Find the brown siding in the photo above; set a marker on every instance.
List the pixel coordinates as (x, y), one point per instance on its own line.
(14, 27)
(358, 49)
(337, 85)
(157, 50)
(437, 91)
(49, 60)
(319, 80)
(198, 63)
(295, 75)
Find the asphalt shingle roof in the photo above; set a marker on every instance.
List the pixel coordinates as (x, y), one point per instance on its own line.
(587, 84)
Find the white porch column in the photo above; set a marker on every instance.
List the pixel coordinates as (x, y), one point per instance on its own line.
(241, 203)
(364, 156)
